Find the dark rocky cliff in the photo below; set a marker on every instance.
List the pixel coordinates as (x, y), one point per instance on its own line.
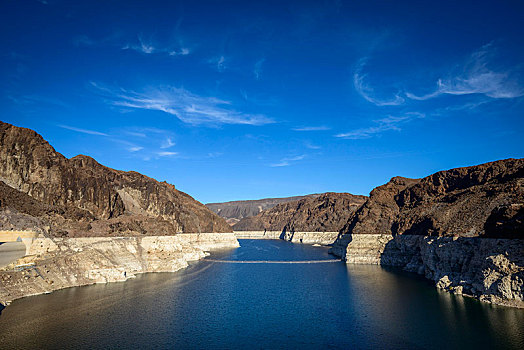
(118, 201)
(485, 200)
(461, 228)
(327, 212)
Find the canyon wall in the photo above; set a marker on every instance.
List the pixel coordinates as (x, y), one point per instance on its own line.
(235, 211)
(327, 212)
(80, 197)
(461, 228)
(57, 263)
(490, 269)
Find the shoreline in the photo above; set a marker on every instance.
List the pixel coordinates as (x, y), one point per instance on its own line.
(59, 263)
(486, 269)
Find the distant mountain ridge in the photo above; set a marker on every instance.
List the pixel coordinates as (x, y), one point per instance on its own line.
(327, 212)
(80, 197)
(234, 211)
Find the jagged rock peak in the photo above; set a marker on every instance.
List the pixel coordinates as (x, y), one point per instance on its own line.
(29, 164)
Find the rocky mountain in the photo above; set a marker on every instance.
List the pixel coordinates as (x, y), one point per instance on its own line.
(462, 228)
(235, 211)
(486, 200)
(101, 200)
(326, 212)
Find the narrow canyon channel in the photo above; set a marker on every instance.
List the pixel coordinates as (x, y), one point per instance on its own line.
(217, 303)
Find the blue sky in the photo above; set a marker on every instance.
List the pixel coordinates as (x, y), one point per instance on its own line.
(244, 100)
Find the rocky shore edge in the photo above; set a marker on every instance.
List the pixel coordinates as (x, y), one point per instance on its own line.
(57, 263)
(488, 269)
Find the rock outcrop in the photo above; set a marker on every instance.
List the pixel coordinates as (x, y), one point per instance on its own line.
(57, 263)
(490, 269)
(486, 200)
(462, 228)
(103, 200)
(325, 213)
(235, 211)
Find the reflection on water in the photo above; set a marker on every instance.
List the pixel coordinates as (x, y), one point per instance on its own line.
(216, 305)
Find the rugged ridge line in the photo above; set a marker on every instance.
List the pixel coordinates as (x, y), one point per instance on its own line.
(234, 211)
(107, 201)
(326, 213)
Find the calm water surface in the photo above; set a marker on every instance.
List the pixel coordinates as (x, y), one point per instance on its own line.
(261, 306)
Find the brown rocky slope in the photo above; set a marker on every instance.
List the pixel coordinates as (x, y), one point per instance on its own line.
(461, 228)
(486, 200)
(108, 201)
(327, 212)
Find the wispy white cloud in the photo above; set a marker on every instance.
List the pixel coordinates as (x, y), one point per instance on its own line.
(83, 131)
(288, 161)
(257, 71)
(168, 143)
(140, 44)
(181, 52)
(135, 133)
(381, 125)
(144, 46)
(184, 105)
(311, 145)
(135, 148)
(476, 77)
(312, 128)
(367, 92)
(218, 62)
(166, 154)
(188, 107)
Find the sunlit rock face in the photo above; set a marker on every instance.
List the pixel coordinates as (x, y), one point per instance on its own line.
(325, 213)
(81, 197)
(57, 263)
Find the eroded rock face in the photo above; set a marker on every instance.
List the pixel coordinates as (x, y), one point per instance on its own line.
(29, 164)
(57, 263)
(490, 269)
(327, 212)
(484, 200)
(379, 212)
(235, 211)
(461, 228)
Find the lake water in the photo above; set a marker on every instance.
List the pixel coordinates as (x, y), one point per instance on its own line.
(261, 306)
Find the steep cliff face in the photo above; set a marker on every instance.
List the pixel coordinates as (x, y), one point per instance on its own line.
(490, 269)
(462, 228)
(327, 212)
(124, 201)
(234, 211)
